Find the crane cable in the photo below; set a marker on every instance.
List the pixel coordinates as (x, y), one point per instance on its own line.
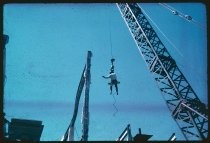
(116, 110)
(162, 32)
(168, 39)
(182, 15)
(110, 41)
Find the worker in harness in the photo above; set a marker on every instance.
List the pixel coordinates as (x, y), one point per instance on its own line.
(112, 75)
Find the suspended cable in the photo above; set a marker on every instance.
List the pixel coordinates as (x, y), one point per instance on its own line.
(112, 60)
(162, 32)
(167, 8)
(176, 12)
(182, 15)
(116, 110)
(110, 39)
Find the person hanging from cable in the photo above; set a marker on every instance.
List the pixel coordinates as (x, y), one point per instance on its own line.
(112, 75)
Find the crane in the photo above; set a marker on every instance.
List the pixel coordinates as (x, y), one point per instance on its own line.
(186, 108)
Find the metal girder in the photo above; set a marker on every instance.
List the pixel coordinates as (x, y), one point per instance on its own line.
(126, 133)
(173, 85)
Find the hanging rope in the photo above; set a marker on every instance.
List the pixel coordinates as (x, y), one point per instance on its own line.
(116, 110)
(162, 33)
(182, 15)
(110, 40)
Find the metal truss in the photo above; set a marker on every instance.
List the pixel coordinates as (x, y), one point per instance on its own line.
(187, 110)
(126, 132)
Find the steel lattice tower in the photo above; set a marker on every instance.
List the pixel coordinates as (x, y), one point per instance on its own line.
(186, 108)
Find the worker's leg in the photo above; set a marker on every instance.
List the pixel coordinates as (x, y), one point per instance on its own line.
(116, 87)
(110, 89)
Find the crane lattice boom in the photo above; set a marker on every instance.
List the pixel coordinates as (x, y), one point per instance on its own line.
(187, 110)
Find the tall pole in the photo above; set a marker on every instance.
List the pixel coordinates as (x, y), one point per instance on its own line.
(85, 113)
(5, 41)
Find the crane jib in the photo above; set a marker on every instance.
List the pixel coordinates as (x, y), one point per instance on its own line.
(179, 96)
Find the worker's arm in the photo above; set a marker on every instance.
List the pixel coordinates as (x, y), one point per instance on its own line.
(106, 76)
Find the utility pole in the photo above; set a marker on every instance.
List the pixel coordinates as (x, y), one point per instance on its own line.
(5, 121)
(5, 41)
(85, 113)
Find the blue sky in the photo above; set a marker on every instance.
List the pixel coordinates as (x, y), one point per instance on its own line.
(47, 52)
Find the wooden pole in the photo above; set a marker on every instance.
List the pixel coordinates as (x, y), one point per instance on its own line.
(85, 113)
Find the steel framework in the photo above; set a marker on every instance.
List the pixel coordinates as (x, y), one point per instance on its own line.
(187, 110)
(126, 132)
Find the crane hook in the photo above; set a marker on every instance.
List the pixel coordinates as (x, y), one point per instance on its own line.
(112, 60)
(112, 66)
